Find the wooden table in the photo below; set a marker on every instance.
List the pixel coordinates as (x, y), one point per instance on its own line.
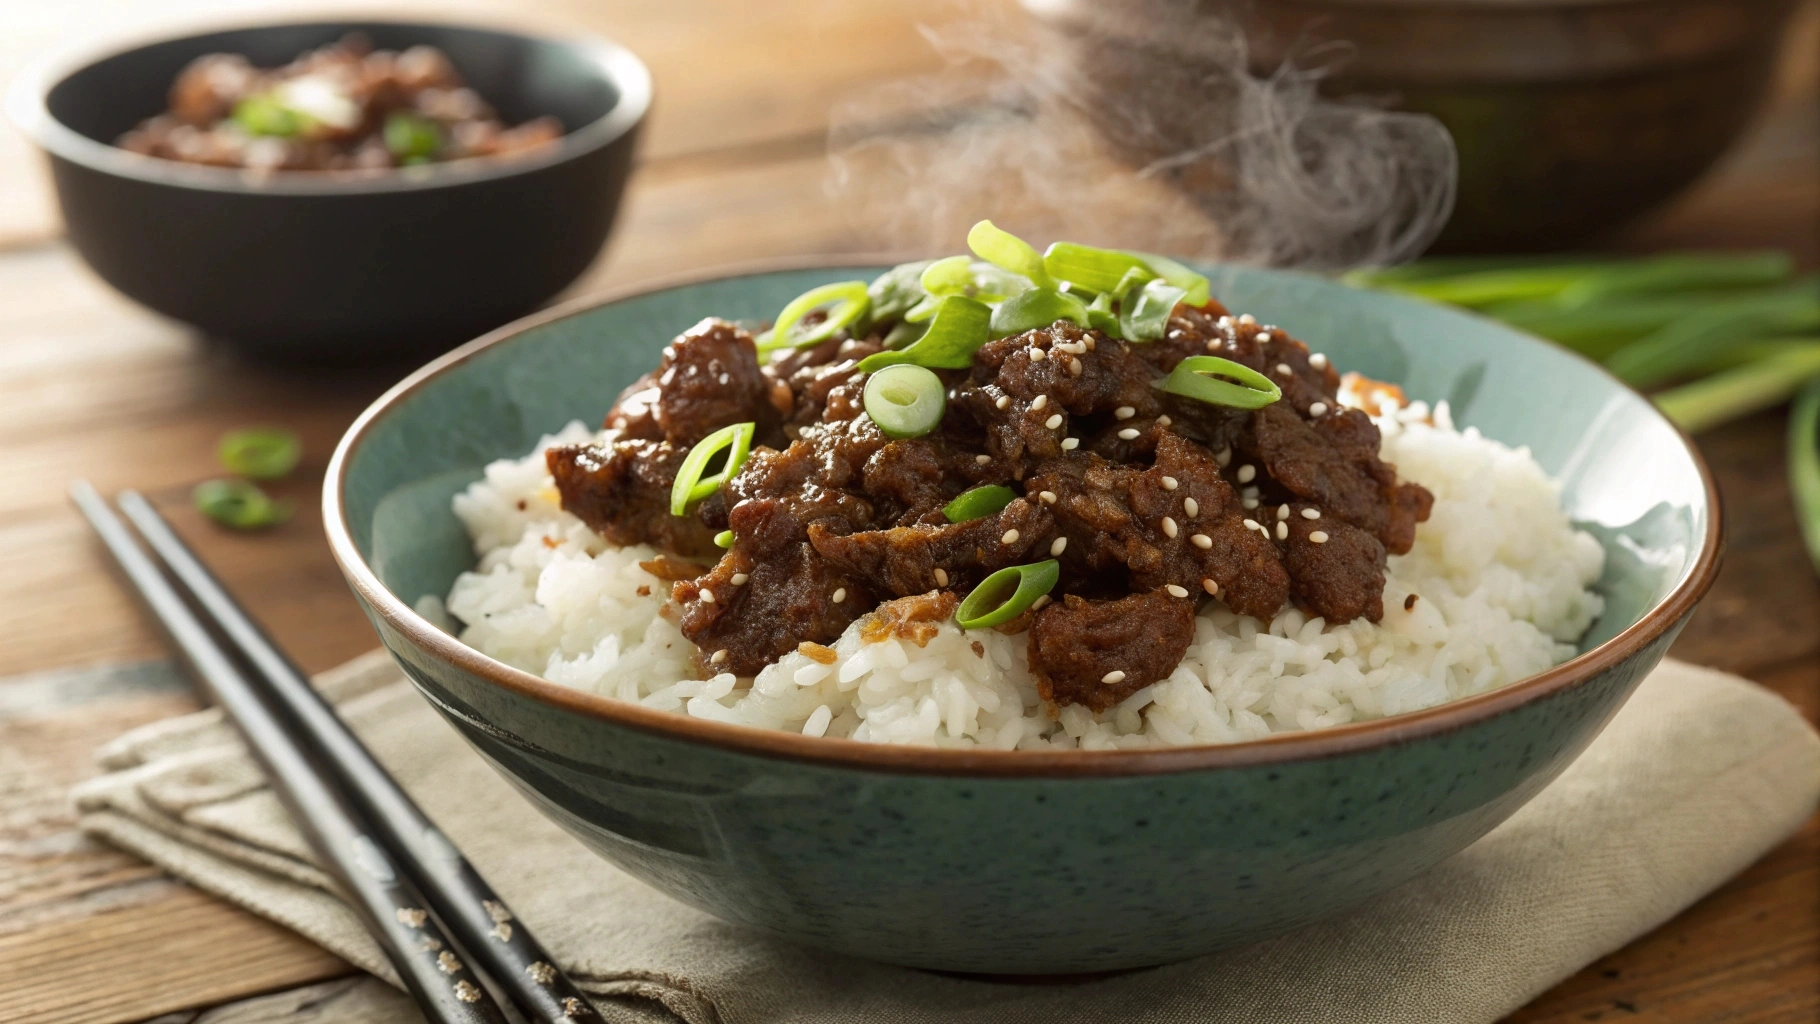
(733, 169)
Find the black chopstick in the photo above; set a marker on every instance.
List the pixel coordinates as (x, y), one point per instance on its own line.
(482, 922)
(389, 904)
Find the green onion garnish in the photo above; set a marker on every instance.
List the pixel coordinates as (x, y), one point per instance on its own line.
(1038, 307)
(1144, 312)
(412, 136)
(979, 503)
(957, 330)
(905, 333)
(724, 539)
(1004, 249)
(850, 300)
(1804, 465)
(1101, 317)
(1086, 268)
(950, 276)
(893, 292)
(260, 453)
(988, 605)
(905, 400)
(239, 505)
(264, 115)
(1198, 377)
(691, 486)
(1196, 286)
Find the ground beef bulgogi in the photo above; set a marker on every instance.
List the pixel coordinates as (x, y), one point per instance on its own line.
(1150, 501)
(343, 107)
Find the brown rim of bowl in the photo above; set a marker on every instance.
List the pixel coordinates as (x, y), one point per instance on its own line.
(1280, 747)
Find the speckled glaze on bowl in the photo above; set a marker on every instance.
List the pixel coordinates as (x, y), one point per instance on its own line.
(1007, 862)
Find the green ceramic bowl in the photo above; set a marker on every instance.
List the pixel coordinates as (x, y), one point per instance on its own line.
(1008, 862)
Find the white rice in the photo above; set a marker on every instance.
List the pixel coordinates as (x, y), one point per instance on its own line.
(1501, 575)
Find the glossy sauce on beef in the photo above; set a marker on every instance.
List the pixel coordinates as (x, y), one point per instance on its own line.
(1151, 502)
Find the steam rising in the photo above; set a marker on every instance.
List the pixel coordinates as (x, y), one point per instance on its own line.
(1139, 125)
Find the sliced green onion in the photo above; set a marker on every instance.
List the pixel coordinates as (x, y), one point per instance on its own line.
(1804, 465)
(1101, 317)
(957, 330)
(950, 276)
(1038, 307)
(1740, 391)
(905, 333)
(239, 505)
(260, 453)
(850, 300)
(1004, 249)
(724, 539)
(691, 486)
(989, 605)
(1198, 377)
(262, 114)
(905, 400)
(1090, 269)
(1144, 312)
(1195, 284)
(979, 503)
(893, 292)
(924, 310)
(412, 136)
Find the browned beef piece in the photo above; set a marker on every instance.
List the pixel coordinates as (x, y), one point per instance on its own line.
(1120, 517)
(913, 479)
(622, 492)
(904, 560)
(763, 609)
(1332, 463)
(1098, 653)
(816, 380)
(1340, 578)
(709, 378)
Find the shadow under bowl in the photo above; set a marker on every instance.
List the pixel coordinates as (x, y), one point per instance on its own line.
(304, 266)
(1008, 862)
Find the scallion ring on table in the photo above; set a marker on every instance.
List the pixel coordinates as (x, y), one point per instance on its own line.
(849, 301)
(260, 453)
(978, 503)
(1145, 310)
(957, 330)
(1219, 381)
(1003, 249)
(905, 400)
(239, 505)
(989, 605)
(723, 539)
(1038, 307)
(691, 486)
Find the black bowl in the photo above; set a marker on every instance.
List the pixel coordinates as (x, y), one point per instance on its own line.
(316, 267)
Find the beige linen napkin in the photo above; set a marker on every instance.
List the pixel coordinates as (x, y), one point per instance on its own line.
(1699, 775)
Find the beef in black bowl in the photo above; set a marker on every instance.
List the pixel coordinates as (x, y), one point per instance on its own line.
(351, 263)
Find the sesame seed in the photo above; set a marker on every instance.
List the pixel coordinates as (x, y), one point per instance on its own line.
(1249, 492)
(1318, 536)
(1282, 531)
(1128, 434)
(1055, 420)
(1114, 676)
(982, 459)
(1070, 444)
(1282, 511)
(1047, 496)
(1318, 409)
(719, 657)
(1163, 421)
(1060, 545)
(1169, 527)
(1311, 513)
(1263, 336)
(1252, 524)
(840, 594)
(1249, 503)
(1039, 402)
(1169, 483)
(1247, 473)
(1088, 341)
(1010, 537)
(1175, 591)
(1202, 541)
(941, 576)
(1037, 355)
(1284, 369)
(1124, 412)
(707, 596)
(1224, 458)
(1191, 506)
(1214, 345)
(740, 578)
(1318, 361)
(1210, 587)
(1247, 318)
(1224, 321)
(1038, 604)
(1074, 367)
(1003, 400)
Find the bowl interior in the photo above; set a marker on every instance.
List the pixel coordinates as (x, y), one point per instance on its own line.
(1625, 472)
(522, 77)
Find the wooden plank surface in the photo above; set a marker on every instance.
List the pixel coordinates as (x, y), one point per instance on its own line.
(733, 171)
